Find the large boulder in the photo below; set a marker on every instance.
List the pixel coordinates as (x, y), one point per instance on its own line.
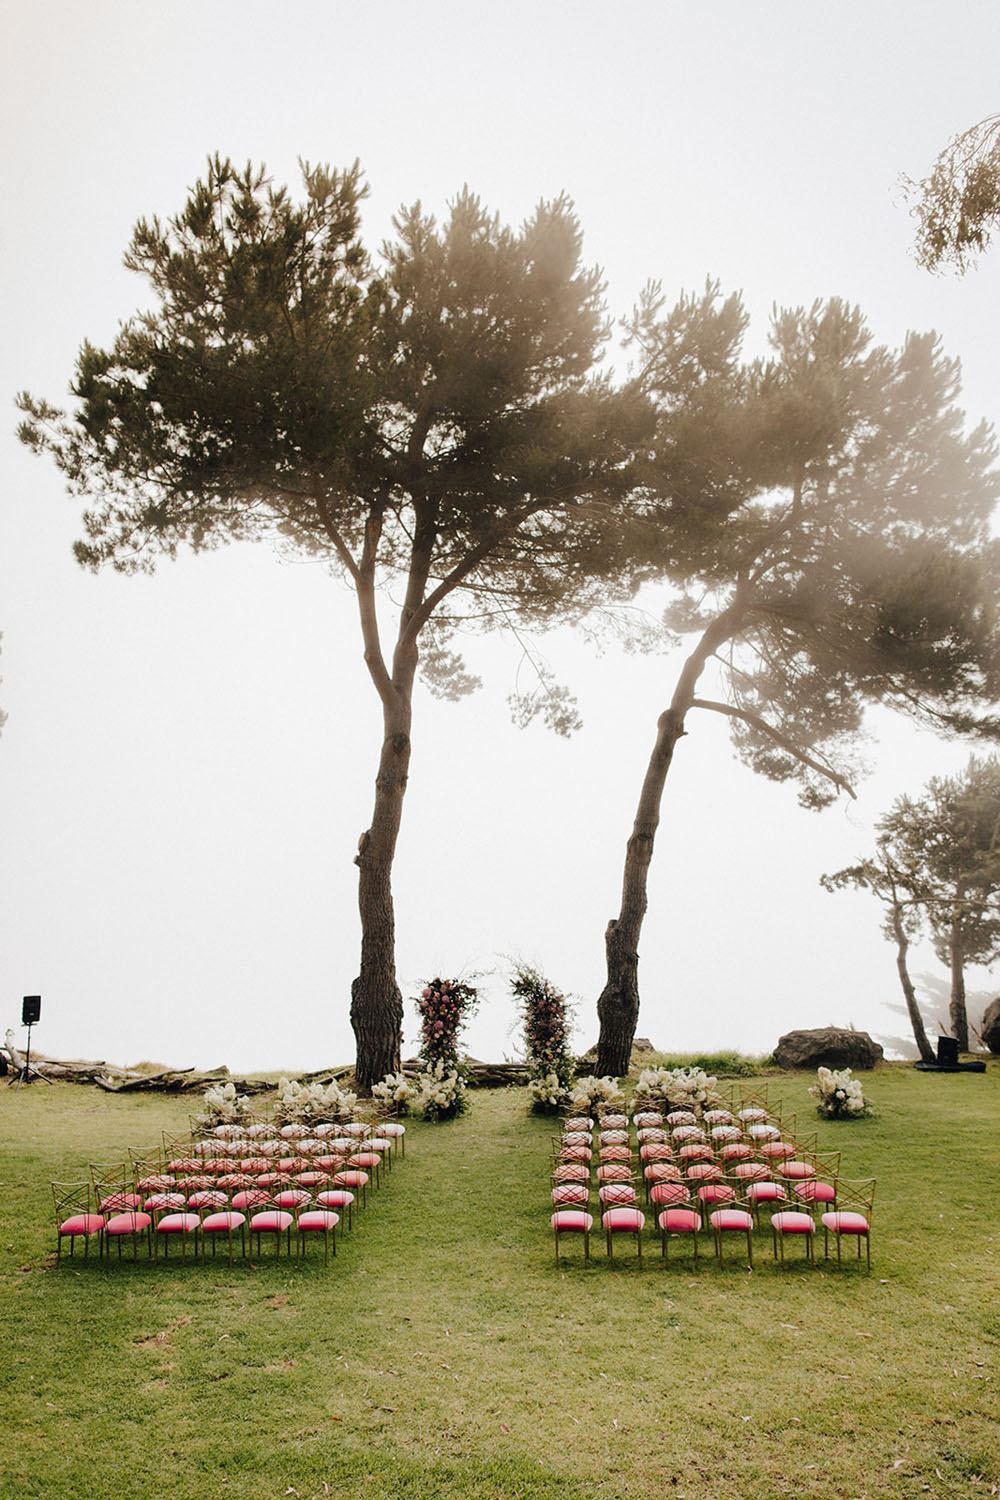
(829, 1047)
(991, 1026)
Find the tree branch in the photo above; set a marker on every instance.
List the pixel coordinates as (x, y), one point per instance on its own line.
(764, 727)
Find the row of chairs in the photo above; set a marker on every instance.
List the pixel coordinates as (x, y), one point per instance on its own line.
(188, 1189)
(690, 1176)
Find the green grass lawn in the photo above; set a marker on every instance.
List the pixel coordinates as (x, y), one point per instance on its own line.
(443, 1353)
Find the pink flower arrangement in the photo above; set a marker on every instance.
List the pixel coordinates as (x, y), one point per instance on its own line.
(444, 1007)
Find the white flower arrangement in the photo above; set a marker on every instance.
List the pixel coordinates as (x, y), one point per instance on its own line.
(303, 1103)
(590, 1093)
(676, 1088)
(547, 1092)
(222, 1106)
(440, 1092)
(395, 1093)
(839, 1096)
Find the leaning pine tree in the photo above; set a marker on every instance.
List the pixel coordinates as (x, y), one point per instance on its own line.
(844, 558)
(429, 421)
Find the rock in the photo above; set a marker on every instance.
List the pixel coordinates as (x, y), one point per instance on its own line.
(829, 1047)
(991, 1027)
(643, 1044)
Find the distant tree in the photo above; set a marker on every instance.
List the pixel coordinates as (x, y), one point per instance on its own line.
(843, 558)
(902, 923)
(948, 842)
(431, 424)
(958, 206)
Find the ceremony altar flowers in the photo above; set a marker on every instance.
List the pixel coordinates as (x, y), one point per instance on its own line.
(222, 1105)
(839, 1096)
(395, 1093)
(676, 1088)
(312, 1103)
(444, 1006)
(441, 1093)
(591, 1094)
(545, 1021)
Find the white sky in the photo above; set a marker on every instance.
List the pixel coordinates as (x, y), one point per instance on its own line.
(189, 758)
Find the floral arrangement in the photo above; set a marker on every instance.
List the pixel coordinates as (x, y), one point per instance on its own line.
(545, 1019)
(838, 1095)
(441, 1091)
(590, 1094)
(548, 1093)
(395, 1093)
(444, 1007)
(222, 1105)
(665, 1089)
(306, 1103)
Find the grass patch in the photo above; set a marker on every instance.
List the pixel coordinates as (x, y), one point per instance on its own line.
(445, 1354)
(719, 1064)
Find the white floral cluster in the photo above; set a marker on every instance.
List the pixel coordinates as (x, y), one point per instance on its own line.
(222, 1105)
(590, 1093)
(839, 1095)
(547, 1091)
(395, 1093)
(676, 1088)
(440, 1092)
(305, 1102)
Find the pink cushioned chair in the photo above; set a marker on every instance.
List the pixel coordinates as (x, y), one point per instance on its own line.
(74, 1216)
(679, 1221)
(732, 1221)
(180, 1225)
(795, 1222)
(272, 1220)
(223, 1221)
(852, 1217)
(623, 1221)
(322, 1221)
(573, 1221)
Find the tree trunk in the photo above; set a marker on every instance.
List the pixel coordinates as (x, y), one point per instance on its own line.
(618, 1005)
(913, 1009)
(376, 1001)
(956, 1010)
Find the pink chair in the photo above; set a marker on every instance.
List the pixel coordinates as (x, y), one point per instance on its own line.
(851, 1217)
(795, 1222)
(181, 1225)
(573, 1221)
(679, 1221)
(732, 1221)
(132, 1225)
(271, 1220)
(338, 1199)
(322, 1221)
(74, 1217)
(623, 1221)
(224, 1221)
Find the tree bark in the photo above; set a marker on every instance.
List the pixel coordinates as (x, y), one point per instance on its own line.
(376, 1001)
(913, 1009)
(618, 1004)
(956, 1009)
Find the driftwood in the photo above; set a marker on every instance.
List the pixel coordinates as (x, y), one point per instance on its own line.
(116, 1080)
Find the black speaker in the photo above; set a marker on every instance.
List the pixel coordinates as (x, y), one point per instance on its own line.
(31, 1009)
(947, 1054)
